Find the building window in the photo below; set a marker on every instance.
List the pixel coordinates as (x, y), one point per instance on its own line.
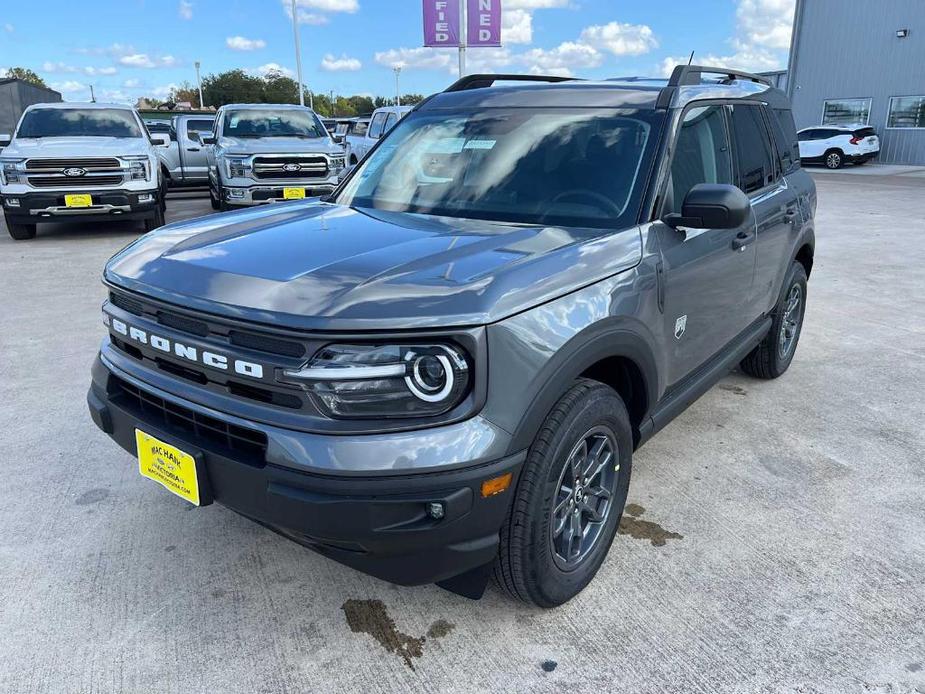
(846, 111)
(906, 112)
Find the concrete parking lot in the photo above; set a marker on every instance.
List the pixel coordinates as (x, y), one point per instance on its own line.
(776, 542)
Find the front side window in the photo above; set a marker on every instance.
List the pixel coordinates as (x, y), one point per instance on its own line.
(390, 122)
(581, 167)
(756, 169)
(906, 112)
(702, 153)
(198, 126)
(79, 122)
(254, 122)
(846, 111)
(376, 126)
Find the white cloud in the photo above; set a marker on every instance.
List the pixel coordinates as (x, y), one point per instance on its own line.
(144, 60)
(90, 70)
(620, 39)
(70, 87)
(534, 4)
(163, 92)
(417, 58)
(9, 28)
(312, 11)
(561, 59)
(342, 64)
(131, 83)
(516, 26)
(263, 70)
(115, 96)
(185, 10)
(239, 43)
(49, 66)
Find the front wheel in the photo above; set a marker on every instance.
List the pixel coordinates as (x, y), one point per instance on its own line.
(156, 221)
(772, 357)
(569, 498)
(834, 159)
(20, 232)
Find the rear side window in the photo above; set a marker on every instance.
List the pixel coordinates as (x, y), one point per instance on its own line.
(390, 122)
(198, 126)
(785, 137)
(360, 127)
(702, 153)
(756, 168)
(376, 125)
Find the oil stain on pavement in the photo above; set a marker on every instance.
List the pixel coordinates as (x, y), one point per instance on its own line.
(638, 529)
(371, 617)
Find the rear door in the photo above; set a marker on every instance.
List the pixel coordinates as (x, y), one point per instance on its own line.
(811, 146)
(192, 151)
(707, 273)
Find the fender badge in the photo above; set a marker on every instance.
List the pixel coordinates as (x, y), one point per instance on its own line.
(680, 326)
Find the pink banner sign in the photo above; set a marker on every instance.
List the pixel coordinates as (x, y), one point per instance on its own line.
(441, 23)
(483, 27)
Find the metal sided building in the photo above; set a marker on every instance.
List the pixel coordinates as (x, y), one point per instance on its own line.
(15, 96)
(857, 61)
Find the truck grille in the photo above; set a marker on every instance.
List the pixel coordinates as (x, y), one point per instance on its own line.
(100, 163)
(73, 182)
(239, 443)
(309, 167)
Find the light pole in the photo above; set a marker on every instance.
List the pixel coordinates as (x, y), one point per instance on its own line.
(463, 37)
(199, 82)
(298, 52)
(397, 69)
(333, 106)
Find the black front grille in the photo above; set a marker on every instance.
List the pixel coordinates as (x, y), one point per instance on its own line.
(127, 304)
(68, 181)
(235, 442)
(265, 343)
(184, 324)
(89, 164)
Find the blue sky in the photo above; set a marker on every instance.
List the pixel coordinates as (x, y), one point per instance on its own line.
(129, 48)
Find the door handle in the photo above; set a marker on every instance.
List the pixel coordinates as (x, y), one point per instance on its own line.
(789, 215)
(742, 239)
(192, 149)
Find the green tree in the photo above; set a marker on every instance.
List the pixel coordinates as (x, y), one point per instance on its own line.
(231, 87)
(185, 92)
(279, 89)
(26, 75)
(362, 105)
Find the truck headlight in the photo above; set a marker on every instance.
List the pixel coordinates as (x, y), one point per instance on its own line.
(138, 168)
(338, 163)
(385, 381)
(11, 170)
(237, 168)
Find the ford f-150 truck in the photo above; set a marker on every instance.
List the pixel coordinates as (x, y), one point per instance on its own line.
(440, 372)
(264, 153)
(184, 162)
(73, 161)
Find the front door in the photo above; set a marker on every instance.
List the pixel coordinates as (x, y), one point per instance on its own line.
(192, 151)
(708, 274)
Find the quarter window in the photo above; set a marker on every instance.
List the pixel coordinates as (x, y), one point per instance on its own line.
(390, 122)
(846, 111)
(375, 126)
(701, 154)
(906, 112)
(785, 136)
(756, 169)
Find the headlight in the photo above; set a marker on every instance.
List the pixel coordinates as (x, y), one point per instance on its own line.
(337, 163)
(138, 167)
(385, 381)
(11, 170)
(237, 168)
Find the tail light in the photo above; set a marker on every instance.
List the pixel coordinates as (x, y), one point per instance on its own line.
(855, 139)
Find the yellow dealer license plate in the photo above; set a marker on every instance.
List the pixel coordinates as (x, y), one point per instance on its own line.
(78, 200)
(293, 193)
(167, 465)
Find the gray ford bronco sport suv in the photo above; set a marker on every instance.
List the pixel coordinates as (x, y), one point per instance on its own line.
(440, 372)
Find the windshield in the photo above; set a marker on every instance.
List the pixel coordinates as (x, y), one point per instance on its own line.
(272, 123)
(583, 167)
(79, 122)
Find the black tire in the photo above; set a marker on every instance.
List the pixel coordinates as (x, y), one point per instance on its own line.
(860, 162)
(834, 159)
(20, 232)
(769, 359)
(156, 221)
(353, 160)
(213, 200)
(528, 566)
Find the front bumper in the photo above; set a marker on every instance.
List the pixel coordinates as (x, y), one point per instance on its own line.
(376, 524)
(49, 206)
(263, 194)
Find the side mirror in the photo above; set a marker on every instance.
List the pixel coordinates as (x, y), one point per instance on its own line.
(711, 206)
(338, 138)
(5, 139)
(160, 140)
(207, 138)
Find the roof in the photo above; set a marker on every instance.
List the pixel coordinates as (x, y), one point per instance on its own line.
(81, 104)
(837, 126)
(275, 107)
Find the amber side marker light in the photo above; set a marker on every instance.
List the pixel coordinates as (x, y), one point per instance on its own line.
(496, 485)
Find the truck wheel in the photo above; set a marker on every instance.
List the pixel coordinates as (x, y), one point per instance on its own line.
(834, 159)
(156, 221)
(20, 232)
(214, 201)
(569, 498)
(773, 355)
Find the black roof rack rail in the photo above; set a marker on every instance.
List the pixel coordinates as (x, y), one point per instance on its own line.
(693, 74)
(481, 81)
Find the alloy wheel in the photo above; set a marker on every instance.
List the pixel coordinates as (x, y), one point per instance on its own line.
(790, 323)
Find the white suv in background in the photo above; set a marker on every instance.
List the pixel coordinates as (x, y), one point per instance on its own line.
(833, 145)
(383, 120)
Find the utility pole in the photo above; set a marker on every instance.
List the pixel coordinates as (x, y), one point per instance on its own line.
(397, 69)
(199, 82)
(463, 37)
(298, 52)
(333, 106)
(92, 95)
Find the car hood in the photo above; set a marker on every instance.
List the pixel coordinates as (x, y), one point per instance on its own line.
(316, 265)
(278, 145)
(76, 147)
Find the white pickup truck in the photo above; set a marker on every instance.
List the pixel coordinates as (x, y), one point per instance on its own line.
(73, 161)
(264, 153)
